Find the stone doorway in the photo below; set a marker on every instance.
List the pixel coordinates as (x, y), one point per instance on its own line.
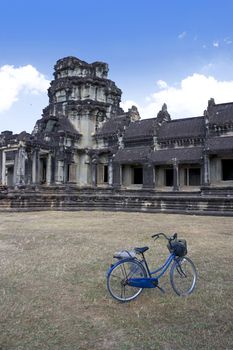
(43, 170)
(105, 177)
(102, 174)
(10, 175)
(137, 176)
(192, 176)
(227, 169)
(169, 177)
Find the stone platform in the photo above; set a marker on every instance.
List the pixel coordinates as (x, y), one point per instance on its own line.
(207, 201)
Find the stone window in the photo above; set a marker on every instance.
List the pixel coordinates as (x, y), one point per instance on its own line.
(50, 125)
(227, 169)
(86, 91)
(61, 96)
(71, 172)
(192, 176)
(10, 175)
(43, 169)
(105, 177)
(169, 177)
(137, 176)
(67, 173)
(102, 174)
(10, 156)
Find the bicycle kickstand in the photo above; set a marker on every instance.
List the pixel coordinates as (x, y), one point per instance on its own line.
(161, 290)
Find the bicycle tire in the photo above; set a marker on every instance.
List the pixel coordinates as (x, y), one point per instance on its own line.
(183, 276)
(117, 279)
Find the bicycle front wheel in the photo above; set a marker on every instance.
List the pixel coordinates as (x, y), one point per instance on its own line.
(183, 276)
(118, 276)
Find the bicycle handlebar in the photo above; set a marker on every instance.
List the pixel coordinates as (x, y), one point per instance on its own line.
(157, 235)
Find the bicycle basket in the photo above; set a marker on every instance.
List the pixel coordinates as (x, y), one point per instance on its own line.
(178, 246)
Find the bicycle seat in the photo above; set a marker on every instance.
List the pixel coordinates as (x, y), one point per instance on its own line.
(141, 250)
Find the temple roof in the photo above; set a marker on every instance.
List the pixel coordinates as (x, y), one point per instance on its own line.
(221, 113)
(7, 137)
(167, 156)
(132, 155)
(140, 129)
(113, 125)
(215, 144)
(53, 124)
(182, 128)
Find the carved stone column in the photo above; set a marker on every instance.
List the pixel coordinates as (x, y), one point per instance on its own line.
(94, 164)
(65, 171)
(206, 172)
(148, 176)
(53, 169)
(4, 168)
(49, 169)
(20, 166)
(175, 175)
(116, 175)
(35, 167)
(28, 168)
(110, 172)
(1, 152)
(72, 173)
(60, 172)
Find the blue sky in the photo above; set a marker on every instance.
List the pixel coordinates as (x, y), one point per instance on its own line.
(171, 51)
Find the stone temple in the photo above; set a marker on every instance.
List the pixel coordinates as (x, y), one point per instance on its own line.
(85, 146)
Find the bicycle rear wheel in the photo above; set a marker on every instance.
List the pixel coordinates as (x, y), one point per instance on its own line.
(183, 276)
(118, 276)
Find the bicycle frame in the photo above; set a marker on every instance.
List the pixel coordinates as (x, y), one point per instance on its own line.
(163, 268)
(151, 282)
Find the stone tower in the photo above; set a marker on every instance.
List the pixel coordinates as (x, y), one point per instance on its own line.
(81, 99)
(82, 93)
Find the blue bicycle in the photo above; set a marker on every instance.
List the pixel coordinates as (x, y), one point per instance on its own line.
(127, 278)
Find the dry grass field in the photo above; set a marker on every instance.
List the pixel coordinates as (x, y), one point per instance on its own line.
(53, 283)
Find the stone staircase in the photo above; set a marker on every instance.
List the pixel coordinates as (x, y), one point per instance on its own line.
(204, 202)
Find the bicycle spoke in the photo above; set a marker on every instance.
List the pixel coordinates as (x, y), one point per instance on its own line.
(180, 271)
(183, 276)
(118, 276)
(113, 275)
(122, 290)
(123, 270)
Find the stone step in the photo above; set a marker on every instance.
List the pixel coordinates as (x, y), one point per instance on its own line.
(18, 201)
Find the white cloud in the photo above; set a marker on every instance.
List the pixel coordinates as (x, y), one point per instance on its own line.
(228, 41)
(216, 44)
(189, 99)
(14, 80)
(128, 104)
(182, 35)
(162, 84)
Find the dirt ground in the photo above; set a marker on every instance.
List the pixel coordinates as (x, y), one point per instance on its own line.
(53, 283)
